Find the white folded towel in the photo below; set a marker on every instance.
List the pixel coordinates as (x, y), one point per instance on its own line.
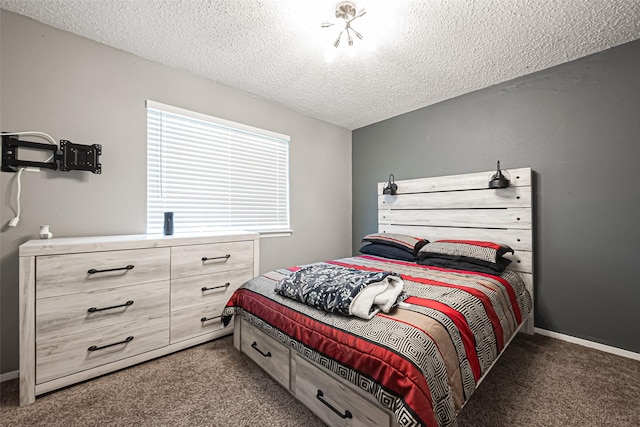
(376, 296)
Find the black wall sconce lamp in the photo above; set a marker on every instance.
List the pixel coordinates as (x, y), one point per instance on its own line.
(498, 180)
(391, 187)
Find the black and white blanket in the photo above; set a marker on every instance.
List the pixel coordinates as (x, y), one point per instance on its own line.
(346, 291)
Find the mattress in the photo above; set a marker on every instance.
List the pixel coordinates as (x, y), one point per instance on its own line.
(421, 361)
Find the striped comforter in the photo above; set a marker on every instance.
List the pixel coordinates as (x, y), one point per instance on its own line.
(423, 360)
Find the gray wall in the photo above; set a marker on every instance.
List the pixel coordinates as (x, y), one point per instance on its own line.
(577, 125)
(76, 89)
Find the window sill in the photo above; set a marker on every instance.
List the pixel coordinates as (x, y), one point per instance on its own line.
(279, 233)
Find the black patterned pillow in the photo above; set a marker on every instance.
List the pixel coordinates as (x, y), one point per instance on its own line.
(408, 243)
(485, 257)
(387, 251)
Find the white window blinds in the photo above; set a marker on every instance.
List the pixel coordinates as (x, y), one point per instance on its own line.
(214, 174)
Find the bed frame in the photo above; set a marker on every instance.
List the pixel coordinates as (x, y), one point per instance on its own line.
(449, 207)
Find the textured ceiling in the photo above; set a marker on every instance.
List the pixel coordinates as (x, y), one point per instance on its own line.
(428, 51)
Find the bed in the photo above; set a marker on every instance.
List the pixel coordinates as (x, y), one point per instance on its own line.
(419, 362)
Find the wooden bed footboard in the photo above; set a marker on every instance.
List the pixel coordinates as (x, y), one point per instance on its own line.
(332, 399)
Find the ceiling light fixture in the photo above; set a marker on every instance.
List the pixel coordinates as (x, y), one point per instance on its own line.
(346, 13)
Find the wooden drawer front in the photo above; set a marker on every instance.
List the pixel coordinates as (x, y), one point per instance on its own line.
(69, 314)
(69, 274)
(188, 261)
(58, 357)
(207, 288)
(313, 387)
(268, 353)
(188, 323)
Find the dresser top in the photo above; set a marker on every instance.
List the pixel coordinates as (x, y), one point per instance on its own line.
(65, 245)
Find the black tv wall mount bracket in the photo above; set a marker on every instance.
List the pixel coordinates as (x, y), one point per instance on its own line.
(71, 156)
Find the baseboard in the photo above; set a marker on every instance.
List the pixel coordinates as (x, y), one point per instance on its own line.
(591, 344)
(9, 376)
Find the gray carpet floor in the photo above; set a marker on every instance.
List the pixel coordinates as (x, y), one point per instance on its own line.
(539, 381)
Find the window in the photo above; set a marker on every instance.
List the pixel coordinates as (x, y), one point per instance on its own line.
(214, 174)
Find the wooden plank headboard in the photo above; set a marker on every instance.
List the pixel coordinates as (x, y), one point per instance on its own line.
(463, 207)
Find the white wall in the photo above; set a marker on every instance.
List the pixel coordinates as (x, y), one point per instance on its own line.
(80, 90)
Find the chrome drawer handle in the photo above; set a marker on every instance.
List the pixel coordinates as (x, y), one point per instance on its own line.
(347, 414)
(226, 285)
(206, 319)
(126, 304)
(126, 340)
(225, 257)
(94, 271)
(255, 347)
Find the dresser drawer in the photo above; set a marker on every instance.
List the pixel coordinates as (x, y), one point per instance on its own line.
(327, 397)
(61, 356)
(73, 273)
(193, 260)
(70, 314)
(272, 356)
(196, 321)
(207, 288)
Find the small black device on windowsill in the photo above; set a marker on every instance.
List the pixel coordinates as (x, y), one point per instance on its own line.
(168, 223)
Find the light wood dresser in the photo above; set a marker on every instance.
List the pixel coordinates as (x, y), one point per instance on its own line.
(92, 305)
